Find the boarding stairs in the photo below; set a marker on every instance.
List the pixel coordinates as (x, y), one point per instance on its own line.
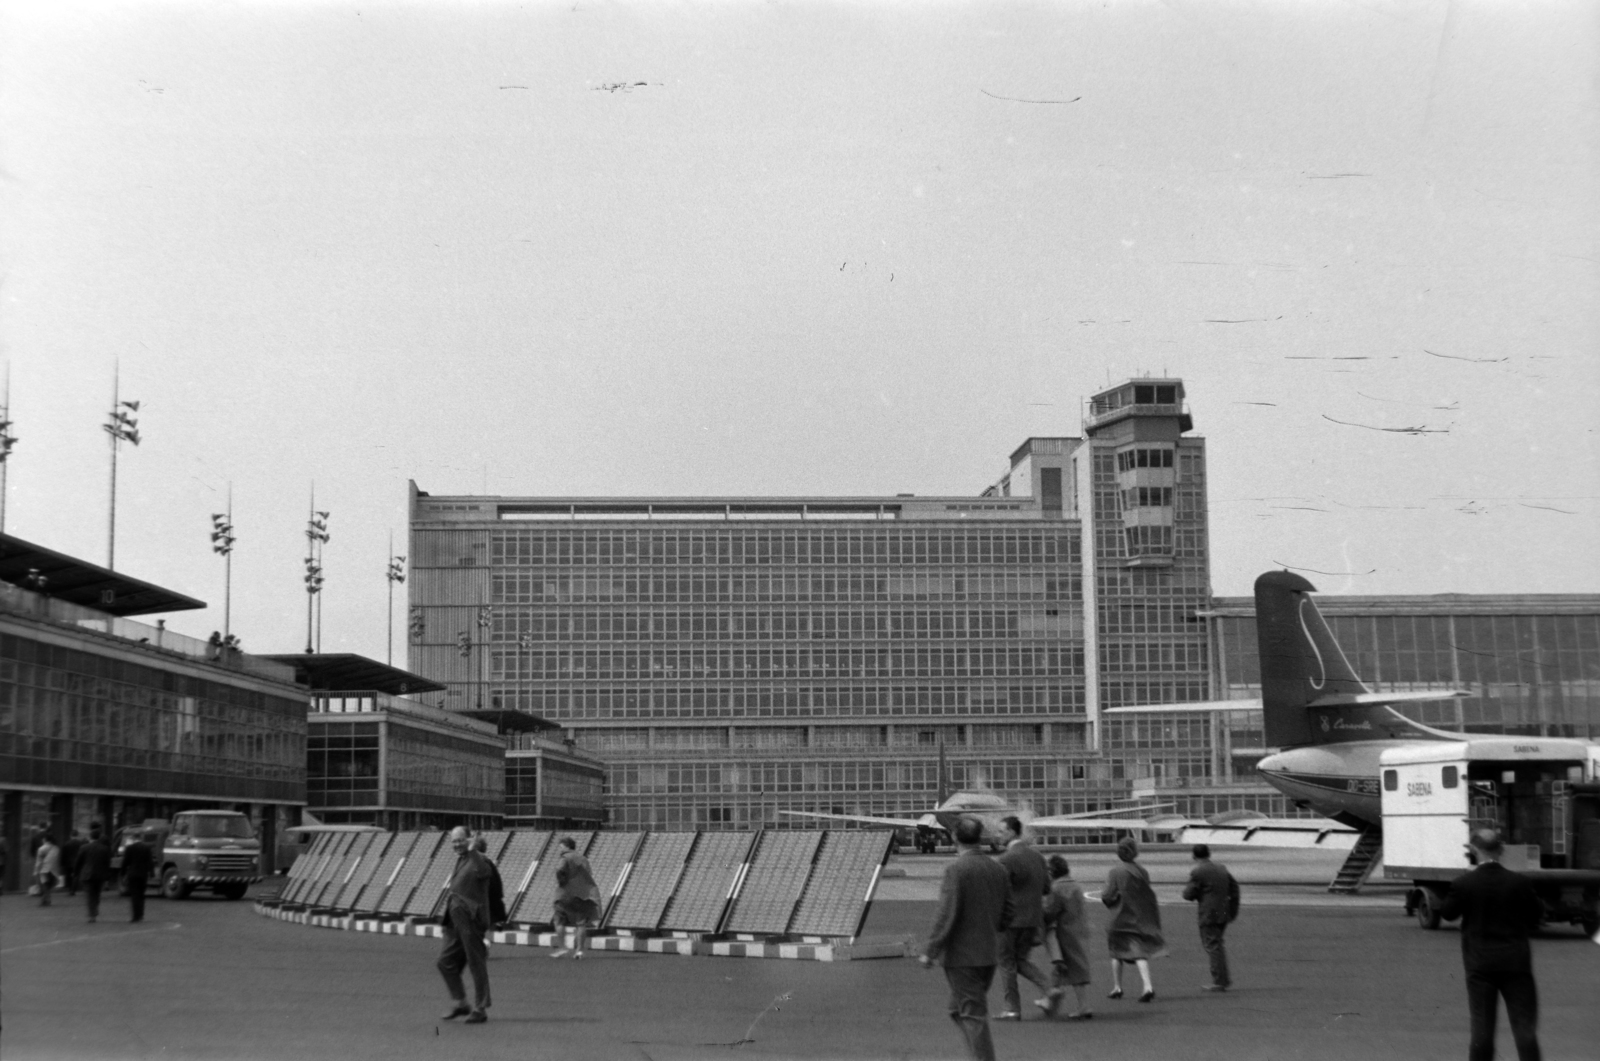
(1358, 865)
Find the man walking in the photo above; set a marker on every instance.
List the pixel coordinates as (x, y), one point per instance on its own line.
(974, 907)
(1499, 911)
(92, 869)
(466, 924)
(577, 904)
(1214, 888)
(137, 864)
(70, 849)
(1030, 880)
(47, 868)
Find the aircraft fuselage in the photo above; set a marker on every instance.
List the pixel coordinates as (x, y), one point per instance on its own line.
(1339, 781)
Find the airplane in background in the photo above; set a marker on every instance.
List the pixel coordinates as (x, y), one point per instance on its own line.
(990, 810)
(1328, 727)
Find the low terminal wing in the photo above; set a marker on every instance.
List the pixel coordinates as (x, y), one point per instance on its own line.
(924, 822)
(1251, 704)
(1084, 822)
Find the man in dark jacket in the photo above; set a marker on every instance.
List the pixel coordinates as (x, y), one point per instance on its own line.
(974, 906)
(466, 924)
(1030, 880)
(1499, 910)
(71, 848)
(1214, 888)
(92, 868)
(136, 869)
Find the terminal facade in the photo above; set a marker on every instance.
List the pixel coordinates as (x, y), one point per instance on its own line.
(106, 718)
(731, 657)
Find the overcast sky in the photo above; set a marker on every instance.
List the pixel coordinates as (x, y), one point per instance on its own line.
(778, 249)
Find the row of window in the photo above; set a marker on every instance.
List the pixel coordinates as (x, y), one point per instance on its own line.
(543, 587)
(1144, 457)
(1541, 650)
(527, 627)
(812, 545)
(791, 701)
(916, 779)
(1147, 497)
(1037, 661)
(924, 737)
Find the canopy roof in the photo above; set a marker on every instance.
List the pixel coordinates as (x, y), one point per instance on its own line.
(348, 672)
(33, 567)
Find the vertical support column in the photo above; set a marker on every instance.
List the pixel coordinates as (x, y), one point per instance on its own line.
(1088, 556)
(11, 829)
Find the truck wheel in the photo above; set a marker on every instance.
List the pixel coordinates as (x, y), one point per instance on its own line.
(174, 886)
(1591, 921)
(233, 891)
(1427, 909)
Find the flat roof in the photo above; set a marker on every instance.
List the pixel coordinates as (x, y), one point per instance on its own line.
(87, 585)
(507, 720)
(348, 672)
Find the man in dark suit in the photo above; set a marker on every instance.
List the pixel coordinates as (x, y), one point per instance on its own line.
(92, 868)
(136, 869)
(1214, 888)
(974, 906)
(71, 848)
(1499, 910)
(1030, 880)
(466, 925)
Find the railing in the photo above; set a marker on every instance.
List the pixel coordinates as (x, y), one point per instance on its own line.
(360, 701)
(24, 602)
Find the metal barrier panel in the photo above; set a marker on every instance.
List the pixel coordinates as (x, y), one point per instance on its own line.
(330, 865)
(304, 868)
(656, 869)
(608, 856)
(843, 878)
(434, 883)
(367, 852)
(538, 900)
(521, 855)
(366, 901)
(416, 864)
(772, 888)
(342, 865)
(702, 893)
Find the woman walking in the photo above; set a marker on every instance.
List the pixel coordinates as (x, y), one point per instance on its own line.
(1134, 935)
(1067, 919)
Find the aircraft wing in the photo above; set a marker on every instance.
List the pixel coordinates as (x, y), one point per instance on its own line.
(1250, 704)
(865, 819)
(1058, 823)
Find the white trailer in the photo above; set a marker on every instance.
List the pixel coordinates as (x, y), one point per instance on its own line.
(1541, 793)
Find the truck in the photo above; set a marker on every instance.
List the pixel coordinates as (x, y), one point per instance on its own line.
(214, 849)
(1541, 793)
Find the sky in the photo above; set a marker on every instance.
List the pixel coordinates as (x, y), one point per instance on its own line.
(781, 249)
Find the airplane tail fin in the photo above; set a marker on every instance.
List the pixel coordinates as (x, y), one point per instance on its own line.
(1308, 688)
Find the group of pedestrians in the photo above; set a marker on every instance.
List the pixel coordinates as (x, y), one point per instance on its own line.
(86, 864)
(475, 903)
(993, 912)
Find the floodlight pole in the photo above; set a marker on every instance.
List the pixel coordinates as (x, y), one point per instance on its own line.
(396, 573)
(122, 426)
(7, 440)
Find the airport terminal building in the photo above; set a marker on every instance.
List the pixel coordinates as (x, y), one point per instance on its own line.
(730, 657)
(104, 717)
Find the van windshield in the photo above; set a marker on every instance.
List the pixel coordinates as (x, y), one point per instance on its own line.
(231, 825)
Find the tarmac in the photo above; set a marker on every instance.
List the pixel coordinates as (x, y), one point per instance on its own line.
(1316, 977)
